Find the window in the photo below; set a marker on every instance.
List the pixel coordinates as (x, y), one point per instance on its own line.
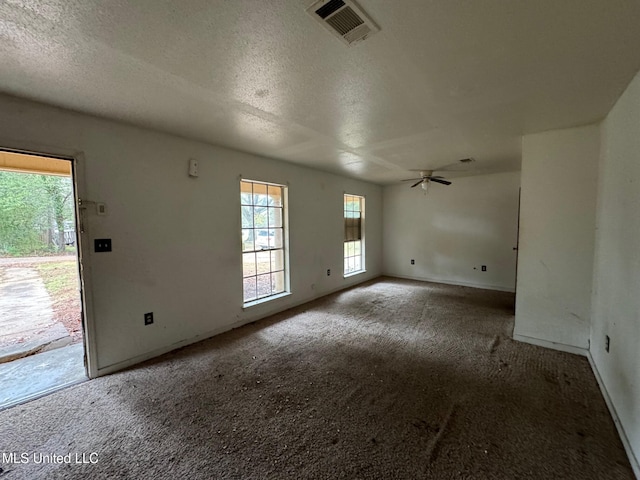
(353, 234)
(264, 256)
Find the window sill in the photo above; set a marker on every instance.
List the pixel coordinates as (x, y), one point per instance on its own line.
(260, 301)
(353, 274)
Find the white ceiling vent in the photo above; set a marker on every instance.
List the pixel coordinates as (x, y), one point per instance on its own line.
(344, 19)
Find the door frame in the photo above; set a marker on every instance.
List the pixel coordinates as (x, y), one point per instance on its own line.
(83, 246)
(517, 249)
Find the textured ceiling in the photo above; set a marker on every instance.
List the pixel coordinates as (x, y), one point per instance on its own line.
(442, 80)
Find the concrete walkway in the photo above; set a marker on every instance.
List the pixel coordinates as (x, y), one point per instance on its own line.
(26, 315)
(36, 357)
(32, 377)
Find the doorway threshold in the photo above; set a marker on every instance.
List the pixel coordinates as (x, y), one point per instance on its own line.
(37, 375)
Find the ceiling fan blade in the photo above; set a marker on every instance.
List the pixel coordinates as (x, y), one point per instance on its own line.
(411, 179)
(440, 180)
(416, 184)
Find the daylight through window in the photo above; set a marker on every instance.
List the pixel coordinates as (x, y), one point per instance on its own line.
(263, 240)
(353, 234)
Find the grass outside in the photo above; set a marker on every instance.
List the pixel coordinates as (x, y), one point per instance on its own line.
(258, 282)
(62, 283)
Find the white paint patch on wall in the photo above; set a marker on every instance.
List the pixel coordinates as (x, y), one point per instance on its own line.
(557, 230)
(453, 230)
(616, 300)
(176, 239)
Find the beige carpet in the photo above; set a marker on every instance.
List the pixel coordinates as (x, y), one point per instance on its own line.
(393, 379)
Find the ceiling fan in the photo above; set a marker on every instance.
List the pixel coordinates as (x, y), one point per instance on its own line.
(427, 176)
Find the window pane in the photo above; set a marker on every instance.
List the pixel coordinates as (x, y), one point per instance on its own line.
(263, 262)
(275, 195)
(259, 194)
(261, 238)
(275, 217)
(346, 265)
(275, 238)
(277, 260)
(356, 264)
(245, 193)
(277, 282)
(249, 289)
(260, 217)
(248, 264)
(247, 216)
(247, 240)
(263, 285)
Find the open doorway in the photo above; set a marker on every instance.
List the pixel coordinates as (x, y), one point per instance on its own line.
(42, 345)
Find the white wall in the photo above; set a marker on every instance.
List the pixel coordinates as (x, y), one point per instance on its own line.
(176, 240)
(616, 298)
(453, 230)
(557, 228)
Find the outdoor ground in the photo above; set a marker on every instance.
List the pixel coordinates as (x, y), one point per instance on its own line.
(60, 277)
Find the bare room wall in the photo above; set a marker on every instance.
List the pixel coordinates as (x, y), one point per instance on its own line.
(176, 240)
(616, 303)
(557, 231)
(453, 230)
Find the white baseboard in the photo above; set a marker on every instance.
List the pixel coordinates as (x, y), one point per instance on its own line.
(635, 465)
(498, 288)
(161, 351)
(225, 328)
(552, 345)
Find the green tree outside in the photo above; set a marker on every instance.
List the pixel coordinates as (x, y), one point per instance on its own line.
(33, 212)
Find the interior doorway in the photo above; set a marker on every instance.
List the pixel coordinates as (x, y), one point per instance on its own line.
(42, 327)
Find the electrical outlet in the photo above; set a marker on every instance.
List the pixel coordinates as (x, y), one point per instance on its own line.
(102, 244)
(148, 318)
(607, 343)
(193, 167)
(484, 268)
(328, 272)
(413, 262)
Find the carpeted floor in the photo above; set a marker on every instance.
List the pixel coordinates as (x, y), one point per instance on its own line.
(392, 379)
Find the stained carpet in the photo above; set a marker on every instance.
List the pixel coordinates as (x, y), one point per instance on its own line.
(393, 379)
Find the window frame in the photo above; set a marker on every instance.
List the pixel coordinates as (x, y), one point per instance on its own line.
(284, 208)
(345, 255)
